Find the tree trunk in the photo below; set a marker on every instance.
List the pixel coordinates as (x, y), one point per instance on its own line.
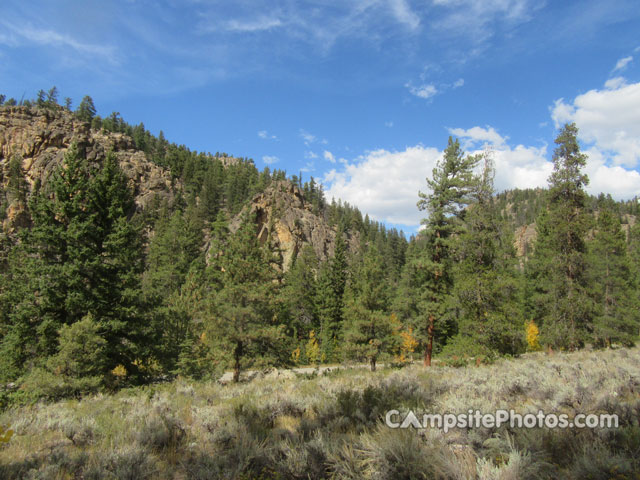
(237, 354)
(372, 362)
(428, 351)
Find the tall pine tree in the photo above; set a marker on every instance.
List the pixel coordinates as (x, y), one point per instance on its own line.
(367, 329)
(330, 299)
(450, 188)
(616, 317)
(487, 282)
(557, 272)
(241, 324)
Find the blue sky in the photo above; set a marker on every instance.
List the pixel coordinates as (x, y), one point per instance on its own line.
(361, 94)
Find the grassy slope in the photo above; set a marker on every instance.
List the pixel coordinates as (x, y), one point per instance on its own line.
(330, 426)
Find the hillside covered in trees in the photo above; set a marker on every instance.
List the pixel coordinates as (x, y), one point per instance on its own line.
(126, 259)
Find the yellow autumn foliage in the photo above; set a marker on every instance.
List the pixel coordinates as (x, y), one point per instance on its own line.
(533, 334)
(5, 434)
(313, 349)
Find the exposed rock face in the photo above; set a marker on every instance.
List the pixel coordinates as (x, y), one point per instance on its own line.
(41, 137)
(524, 238)
(283, 216)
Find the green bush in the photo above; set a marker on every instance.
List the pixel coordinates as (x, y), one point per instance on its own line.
(81, 353)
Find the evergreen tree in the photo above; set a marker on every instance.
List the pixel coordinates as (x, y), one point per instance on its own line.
(241, 323)
(174, 251)
(86, 110)
(616, 317)
(81, 359)
(330, 298)
(451, 184)
(41, 98)
(557, 273)
(211, 194)
(299, 295)
(82, 256)
(367, 330)
(16, 184)
(487, 284)
(173, 248)
(52, 97)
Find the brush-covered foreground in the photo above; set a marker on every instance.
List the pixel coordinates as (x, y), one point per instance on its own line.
(332, 426)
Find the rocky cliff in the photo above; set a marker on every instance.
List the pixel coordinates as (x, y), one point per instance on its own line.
(40, 137)
(288, 222)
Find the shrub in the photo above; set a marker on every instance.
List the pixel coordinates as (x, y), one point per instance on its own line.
(5, 434)
(124, 465)
(82, 351)
(160, 432)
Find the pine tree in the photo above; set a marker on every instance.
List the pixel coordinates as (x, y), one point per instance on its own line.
(616, 317)
(559, 301)
(487, 283)
(299, 295)
(174, 246)
(174, 252)
(17, 186)
(81, 359)
(86, 110)
(52, 97)
(367, 330)
(211, 194)
(241, 323)
(82, 256)
(330, 298)
(451, 184)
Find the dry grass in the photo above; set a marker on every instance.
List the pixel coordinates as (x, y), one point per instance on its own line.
(331, 426)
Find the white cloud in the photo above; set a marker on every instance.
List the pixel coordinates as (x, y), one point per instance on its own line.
(622, 63)
(310, 155)
(266, 136)
(477, 18)
(309, 167)
(608, 120)
(516, 167)
(310, 138)
(270, 159)
(403, 13)
(51, 38)
(329, 156)
(530, 167)
(259, 24)
(458, 83)
(307, 137)
(521, 167)
(478, 135)
(388, 124)
(423, 91)
(615, 83)
(385, 184)
(621, 183)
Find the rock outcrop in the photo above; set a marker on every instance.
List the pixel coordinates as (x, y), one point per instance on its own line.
(40, 137)
(524, 239)
(285, 219)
